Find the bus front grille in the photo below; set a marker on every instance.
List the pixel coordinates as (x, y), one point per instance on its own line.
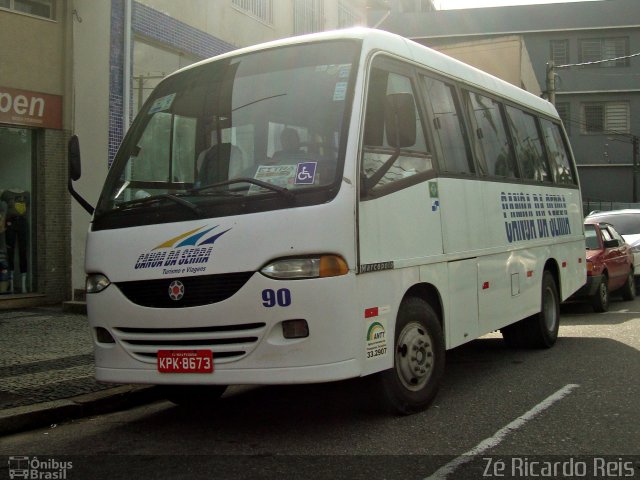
(227, 342)
(184, 291)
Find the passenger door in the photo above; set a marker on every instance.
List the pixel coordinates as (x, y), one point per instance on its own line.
(399, 214)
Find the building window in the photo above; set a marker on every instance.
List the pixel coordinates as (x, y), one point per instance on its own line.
(308, 16)
(560, 52)
(605, 118)
(39, 8)
(346, 16)
(564, 110)
(598, 49)
(261, 9)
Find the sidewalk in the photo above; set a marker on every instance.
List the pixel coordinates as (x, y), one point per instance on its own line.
(47, 373)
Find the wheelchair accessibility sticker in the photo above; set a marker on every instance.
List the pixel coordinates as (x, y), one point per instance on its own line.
(306, 173)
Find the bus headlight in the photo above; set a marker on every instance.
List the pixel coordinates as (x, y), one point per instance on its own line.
(309, 267)
(96, 282)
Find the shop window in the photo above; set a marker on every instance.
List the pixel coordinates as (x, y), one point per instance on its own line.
(16, 210)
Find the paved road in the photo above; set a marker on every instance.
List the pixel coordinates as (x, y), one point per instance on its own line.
(577, 402)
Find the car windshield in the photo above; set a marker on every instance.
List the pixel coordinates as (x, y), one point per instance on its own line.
(242, 134)
(591, 237)
(624, 223)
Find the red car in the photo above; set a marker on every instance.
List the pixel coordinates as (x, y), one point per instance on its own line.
(609, 265)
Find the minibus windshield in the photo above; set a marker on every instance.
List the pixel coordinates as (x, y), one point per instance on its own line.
(255, 132)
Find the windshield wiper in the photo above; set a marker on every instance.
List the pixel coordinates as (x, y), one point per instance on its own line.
(269, 186)
(168, 196)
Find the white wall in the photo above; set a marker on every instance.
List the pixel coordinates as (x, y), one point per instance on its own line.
(90, 90)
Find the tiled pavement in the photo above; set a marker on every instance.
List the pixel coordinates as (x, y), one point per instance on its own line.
(46, 367)
(45, 355)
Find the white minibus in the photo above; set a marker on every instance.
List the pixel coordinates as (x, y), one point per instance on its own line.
(329, 206)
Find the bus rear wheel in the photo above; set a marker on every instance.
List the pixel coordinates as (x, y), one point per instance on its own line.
(419, 357)
(196, 396)
(539, 330)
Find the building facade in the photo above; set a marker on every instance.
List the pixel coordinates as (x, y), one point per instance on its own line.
(84, 67)
(595, 46)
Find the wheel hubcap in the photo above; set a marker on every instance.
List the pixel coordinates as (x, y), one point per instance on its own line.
(414, 356)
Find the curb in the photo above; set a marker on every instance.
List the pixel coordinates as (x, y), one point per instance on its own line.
(19, 419)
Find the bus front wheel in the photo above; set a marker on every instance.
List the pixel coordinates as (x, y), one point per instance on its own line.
(419, 357)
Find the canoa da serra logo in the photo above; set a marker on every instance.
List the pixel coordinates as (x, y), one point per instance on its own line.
(186, 253)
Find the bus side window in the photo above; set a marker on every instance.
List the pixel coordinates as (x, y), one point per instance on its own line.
(448, 126)
(378, 148)
(528, 145)
(491, 141)
(556, 147)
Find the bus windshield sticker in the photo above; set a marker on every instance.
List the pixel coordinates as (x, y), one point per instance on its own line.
(340, 92)
(161, 104)
(306, 173)
(344, 71)
(279, 175)
(377, 338)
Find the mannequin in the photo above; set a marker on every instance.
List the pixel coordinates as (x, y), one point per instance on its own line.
(17, 232)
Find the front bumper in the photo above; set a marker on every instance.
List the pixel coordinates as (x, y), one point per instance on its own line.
(244, 335)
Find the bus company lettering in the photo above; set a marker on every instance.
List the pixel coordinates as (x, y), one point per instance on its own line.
(188, 256)
(529, 216)
(190, 248)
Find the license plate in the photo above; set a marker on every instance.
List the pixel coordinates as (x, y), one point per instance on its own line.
(185, 361)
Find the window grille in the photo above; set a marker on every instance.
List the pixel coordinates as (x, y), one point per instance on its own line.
(308, 16)
(346, 16)
(560, 52)
(564, 111)
(606, 118)
(261, 9)
(598, 49)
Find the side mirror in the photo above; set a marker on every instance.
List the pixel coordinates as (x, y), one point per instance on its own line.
(400, 120)
(611, 243)
(73, 157)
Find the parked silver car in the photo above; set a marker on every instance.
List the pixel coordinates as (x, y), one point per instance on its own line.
(627, 223)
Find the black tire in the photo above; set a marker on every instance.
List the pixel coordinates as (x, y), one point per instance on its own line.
(600, 301)
(629, 289)
(539, 330)
(413, 382)
(196, 396)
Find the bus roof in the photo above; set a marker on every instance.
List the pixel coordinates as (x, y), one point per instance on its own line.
(380, 40)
